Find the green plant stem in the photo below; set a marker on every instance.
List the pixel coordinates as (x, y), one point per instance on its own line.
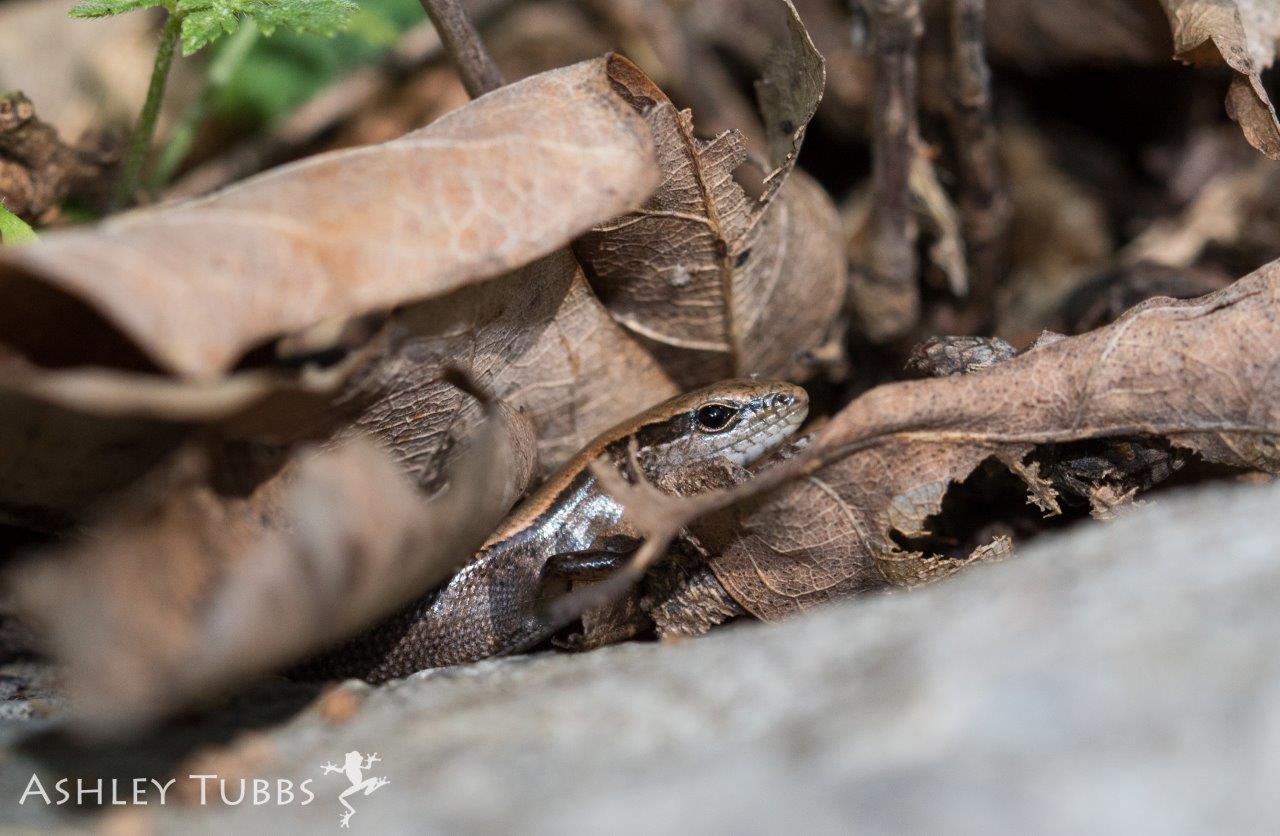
(221, 70)
(145, 130)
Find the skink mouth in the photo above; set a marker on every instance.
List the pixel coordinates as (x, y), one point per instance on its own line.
(779, 416)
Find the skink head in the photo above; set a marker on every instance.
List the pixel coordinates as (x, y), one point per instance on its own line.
(734, 420)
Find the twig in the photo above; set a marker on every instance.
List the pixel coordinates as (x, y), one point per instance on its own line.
(479, 74)
(890, 299)
(984, 203)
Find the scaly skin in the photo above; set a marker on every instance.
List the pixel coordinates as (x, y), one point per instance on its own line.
(491, 607)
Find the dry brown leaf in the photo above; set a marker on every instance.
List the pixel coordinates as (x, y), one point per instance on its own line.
(1059, 237)
(1235, 213)
(909, 569)
(70, 437)
(713, 282)
(1199, 373)
(1038, 36)
(199, 588)
(1245, 36)
(537, 339)
(486, 189)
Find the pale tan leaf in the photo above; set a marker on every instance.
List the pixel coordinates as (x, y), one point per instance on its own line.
(506, 179)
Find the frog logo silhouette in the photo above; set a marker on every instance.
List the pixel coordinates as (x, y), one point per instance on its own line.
(353, 768)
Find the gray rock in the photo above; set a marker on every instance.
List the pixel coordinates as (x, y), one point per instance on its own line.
(1121, 677)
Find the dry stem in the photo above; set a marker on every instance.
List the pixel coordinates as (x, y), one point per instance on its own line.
(984, 203)
(479, 74)
(890, 298)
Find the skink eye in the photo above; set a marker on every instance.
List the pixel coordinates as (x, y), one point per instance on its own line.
(715, 416)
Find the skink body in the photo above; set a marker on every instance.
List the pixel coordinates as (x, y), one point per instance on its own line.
(568, 528)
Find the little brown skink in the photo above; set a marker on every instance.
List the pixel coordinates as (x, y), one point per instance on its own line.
(569, 529)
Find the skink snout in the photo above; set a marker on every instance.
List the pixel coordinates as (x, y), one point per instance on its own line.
(782, 401)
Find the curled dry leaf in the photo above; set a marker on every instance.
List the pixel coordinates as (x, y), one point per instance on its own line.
(484, 190)
(76, 435)
(198, 589)
(716, 283)
(1199, 375)
(69, 437)
(1243, 35)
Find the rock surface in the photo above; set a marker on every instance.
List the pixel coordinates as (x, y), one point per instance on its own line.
(1119, 677)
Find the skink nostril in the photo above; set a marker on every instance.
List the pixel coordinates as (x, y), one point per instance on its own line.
(784, 400)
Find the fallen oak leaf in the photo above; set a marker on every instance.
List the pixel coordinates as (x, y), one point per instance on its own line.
(713, 282)
(1200, 374)
(172, 602)
(504, 180)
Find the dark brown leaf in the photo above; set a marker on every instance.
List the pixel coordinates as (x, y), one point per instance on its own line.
(1243, 35)
(713, 282)
(1199, 374)
(537, 339)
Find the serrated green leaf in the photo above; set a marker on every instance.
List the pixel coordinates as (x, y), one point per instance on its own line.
(14, 230)
(201, 28)
(285, 70)
(106, 8)
(207, 20)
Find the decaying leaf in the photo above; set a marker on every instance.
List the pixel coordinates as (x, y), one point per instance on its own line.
(1243, 35)
(714, 282)
(199, 588)
(487, 188)
(1236, 212)
(1199, 375)
(538, 339)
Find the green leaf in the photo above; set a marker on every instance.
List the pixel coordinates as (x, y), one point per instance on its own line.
(14, 230)
(287, 69)
(205, 21)
(106, 8)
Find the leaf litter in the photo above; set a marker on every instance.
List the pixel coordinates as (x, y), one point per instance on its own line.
(294, 405)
